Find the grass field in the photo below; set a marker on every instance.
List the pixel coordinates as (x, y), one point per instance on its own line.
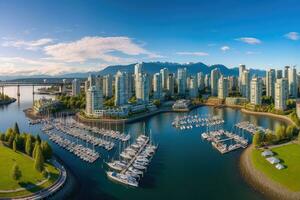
(29, 175)
(290, 156)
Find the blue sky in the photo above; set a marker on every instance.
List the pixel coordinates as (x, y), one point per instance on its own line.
(39, 37)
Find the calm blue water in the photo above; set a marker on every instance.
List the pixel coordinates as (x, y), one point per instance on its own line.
(184, 167)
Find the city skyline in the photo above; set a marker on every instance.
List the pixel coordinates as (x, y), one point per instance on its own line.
(34, 41)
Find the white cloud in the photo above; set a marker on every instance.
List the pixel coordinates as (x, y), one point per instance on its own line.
(103, 48)
(252, 52)
(292, 36)
(225, 48)
(10, 66)
(249, 40)
(29, 45)
(192, 53)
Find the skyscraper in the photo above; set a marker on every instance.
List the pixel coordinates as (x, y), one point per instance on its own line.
(207, 81)
(256, 91)
(107, 85)
(214, 78)
(157, 85)
(241, 69)
(121, 96)
(170, 84)
(164, 77)
(200, 81)
(181, 81)
(137, 72)
(75, 87)
(222, 88)
(270, 83)
(281, 93)
(142, 88)
(245, 84)
(279, 73)
(293, 84)
(286, 72)
(193, 89)
(94, 100)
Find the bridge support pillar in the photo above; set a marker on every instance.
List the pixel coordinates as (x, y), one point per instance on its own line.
(18, 90)
(32, 89)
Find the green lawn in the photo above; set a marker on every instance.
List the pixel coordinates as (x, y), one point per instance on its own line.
(29, 175)
(290, 156)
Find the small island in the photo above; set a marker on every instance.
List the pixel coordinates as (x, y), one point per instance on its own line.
(29, 169)
(5, 100)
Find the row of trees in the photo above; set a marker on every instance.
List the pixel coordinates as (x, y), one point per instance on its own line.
(73, 102)
(282, 134)
(31, 145)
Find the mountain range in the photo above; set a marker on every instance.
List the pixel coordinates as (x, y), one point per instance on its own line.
(148, 67)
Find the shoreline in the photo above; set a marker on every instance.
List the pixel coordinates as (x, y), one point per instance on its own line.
(272, 115)
(260, 182)
(4, 103)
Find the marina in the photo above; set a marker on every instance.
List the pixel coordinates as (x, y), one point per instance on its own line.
(196, 121)
(84, 153)
(225, 141)
(251, 128)
(132, 163)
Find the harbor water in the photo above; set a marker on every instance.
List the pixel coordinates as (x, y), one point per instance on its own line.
(184, 166)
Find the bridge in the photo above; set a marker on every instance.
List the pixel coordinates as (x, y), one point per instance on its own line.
(61, 85)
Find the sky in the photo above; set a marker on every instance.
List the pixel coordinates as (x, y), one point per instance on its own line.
(56, 37)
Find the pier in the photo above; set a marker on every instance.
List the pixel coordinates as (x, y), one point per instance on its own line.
(219, 138)
(251, 128)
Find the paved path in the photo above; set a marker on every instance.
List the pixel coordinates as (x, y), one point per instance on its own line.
(50, 190)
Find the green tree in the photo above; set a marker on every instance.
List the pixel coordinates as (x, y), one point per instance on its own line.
(16, 129)
(9, 132)
(16, 172)
(280, 133)
(257, 139)
(2, 137)
(39, 160)
(289, 132)
(270, 138)
(28, 145)
(47, 150)
(14, 146)
(36, 146)
(38, 138)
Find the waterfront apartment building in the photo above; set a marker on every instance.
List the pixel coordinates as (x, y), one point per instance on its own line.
(107, 85)
(245, 84)
(222, 88)
(164, 77)
(181, 81)
(256, 91)
(200, 81)
(75, 87)
(157, 86)
(293, 83)
(232, 83)
(214, 77)
(142, 88)
(170, 84)
(281, 93)
(279, 74)
(121, 95)
(286, 72)
(207, 81)
(298, 107)
(242, 68)
(94, 100)
(193, 88)
(270, 83)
